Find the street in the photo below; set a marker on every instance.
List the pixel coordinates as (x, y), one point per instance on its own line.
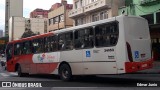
(88, 82)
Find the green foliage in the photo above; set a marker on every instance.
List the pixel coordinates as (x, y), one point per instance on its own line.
(28, 33)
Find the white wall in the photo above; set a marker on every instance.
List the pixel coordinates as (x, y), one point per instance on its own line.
(17, 26)
(15, 8)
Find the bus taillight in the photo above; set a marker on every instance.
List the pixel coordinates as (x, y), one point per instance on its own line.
(129, 52)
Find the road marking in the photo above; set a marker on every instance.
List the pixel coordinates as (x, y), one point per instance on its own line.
(4, 74)
(13, 73)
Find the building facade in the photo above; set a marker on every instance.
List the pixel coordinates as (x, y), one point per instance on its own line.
(39, 13)
(12, 8)
(58, 16)
(150, 10)
(86, 11)
(1, 33)
(19, 25)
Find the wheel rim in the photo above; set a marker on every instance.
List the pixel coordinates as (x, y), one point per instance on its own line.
(65, 73)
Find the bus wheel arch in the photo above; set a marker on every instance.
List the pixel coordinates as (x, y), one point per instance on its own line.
(16, 67)
(65, 71)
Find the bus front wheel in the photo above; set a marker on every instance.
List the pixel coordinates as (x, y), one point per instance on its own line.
(65, 72)
(19, 71)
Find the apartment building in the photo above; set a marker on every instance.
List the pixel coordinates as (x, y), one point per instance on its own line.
(19, 25)
(39, 13)
(150, 10)
(12, 8)
(58, 16)
(86, 11)
(1, 33)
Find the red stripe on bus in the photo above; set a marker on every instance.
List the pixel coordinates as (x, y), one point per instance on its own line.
(137, 66)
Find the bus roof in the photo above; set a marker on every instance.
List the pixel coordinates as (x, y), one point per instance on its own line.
(77, 27)
(95, 23)
(32, 37)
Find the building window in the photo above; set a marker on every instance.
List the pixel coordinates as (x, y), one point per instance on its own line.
(80, 21)
(93, 0)
(95, 17)
(81, 2)
(56, 19)
(61, 18)
(76, 5)
(149, 17)
(103, 15)
(53, 20)
(158, 17)
(76, 22)
(49, 21)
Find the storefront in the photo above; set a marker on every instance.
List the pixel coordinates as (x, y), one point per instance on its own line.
(155, 37)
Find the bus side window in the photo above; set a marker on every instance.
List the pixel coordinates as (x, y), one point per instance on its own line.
(106, 34)
(77, 40)
(84, 38)
(18, 49)
(61, 42)
(9, 51)
(69, 40)
(65, 41)
(54, 43)
(47, 44)
(38, 45)
(27, 49)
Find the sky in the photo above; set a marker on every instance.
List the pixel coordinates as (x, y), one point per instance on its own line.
(28, 6)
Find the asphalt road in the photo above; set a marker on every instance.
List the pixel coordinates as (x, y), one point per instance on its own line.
(101, 82)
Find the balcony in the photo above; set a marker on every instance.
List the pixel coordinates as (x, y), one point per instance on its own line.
(75, 12)
(148, 2)
(99, 4)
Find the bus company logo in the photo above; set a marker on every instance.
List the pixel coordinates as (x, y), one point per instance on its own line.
(6, 84)
(41, 57)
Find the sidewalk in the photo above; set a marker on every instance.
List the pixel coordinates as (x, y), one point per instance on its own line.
(154, 70)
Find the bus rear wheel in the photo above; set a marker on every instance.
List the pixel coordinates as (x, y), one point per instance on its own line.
(65, 72)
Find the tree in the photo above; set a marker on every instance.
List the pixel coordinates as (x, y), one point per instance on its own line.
(28, 33)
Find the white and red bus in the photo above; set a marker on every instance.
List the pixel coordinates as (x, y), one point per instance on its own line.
(112, 46)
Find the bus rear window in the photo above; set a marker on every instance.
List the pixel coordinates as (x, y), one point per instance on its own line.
(106, 34)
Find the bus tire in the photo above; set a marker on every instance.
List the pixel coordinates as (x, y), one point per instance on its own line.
(65, 72)
(19, 71)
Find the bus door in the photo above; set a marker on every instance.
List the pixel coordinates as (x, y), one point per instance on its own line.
(9, 58)
(27, 56)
